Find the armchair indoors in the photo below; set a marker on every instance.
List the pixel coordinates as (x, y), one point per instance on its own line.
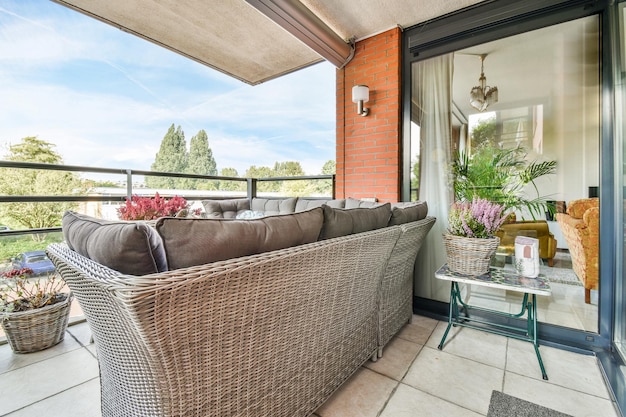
(581, 226)
(532, 228)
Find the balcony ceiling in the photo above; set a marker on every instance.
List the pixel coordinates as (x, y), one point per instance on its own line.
(235, 38)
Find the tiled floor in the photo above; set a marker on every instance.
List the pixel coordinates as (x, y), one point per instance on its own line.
(412, 379)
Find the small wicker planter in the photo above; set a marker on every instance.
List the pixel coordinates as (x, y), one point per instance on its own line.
(35, 330)
(469, 256)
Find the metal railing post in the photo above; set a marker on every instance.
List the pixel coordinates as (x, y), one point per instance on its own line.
(129, 184)
(252, 183)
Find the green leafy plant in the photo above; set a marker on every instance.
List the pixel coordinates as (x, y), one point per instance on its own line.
(479, 218)
(20, 293)
(151, 208)
(501, 176)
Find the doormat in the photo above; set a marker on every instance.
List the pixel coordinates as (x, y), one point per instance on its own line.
(503, 405)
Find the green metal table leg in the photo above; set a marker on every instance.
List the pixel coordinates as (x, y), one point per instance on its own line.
(453, 312)
(532, 311)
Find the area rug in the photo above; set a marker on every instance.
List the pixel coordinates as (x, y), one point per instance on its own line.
(504, 405)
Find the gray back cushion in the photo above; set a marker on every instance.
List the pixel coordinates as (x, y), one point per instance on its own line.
(303, 204)
(191, 242)
(128, 247)
(408, 212)
(341, 222)
(272, 206)
(225, 209)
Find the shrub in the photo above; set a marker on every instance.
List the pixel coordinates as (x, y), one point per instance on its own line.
(151, 208)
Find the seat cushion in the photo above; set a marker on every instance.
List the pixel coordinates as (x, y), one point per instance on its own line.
(355, 203)
(225, 209)
(190, 242)
(128, 247)
(408, 212)
(341, 222)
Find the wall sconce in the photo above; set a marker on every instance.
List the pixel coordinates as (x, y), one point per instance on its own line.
(361, 94)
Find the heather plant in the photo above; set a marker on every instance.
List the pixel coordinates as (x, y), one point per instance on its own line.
(151, 208)
(20, 293)
(477, 219)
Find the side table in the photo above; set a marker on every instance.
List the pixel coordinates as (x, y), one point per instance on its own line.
(497, 278)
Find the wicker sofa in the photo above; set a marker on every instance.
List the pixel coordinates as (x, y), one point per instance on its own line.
(269, 333)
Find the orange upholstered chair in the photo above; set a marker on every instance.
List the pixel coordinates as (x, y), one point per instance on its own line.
(581, 227)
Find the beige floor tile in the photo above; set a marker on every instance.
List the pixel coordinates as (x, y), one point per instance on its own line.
(363, 395)
(472, 344)
(566, 369)
(398, 355)
(418, 331)
(558, 398)
(461, 381)
(81, 332)
(83, 401)
(10, 360)
(410, 402)
(40, 380)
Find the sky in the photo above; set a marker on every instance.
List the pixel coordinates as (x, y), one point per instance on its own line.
(106, 98)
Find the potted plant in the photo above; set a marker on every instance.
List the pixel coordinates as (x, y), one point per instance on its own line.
(501, 175)
(470, 240)
(151, 208)
(34, 311)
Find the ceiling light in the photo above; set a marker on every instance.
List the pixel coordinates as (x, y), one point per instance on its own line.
(482, 95)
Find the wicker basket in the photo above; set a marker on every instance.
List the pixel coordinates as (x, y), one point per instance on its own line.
(469, 256)
(34, 330)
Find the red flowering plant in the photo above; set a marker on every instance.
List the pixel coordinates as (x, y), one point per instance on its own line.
(151, 208)
(479, 219)
(19, 293)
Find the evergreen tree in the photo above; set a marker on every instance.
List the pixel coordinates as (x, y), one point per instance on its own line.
(31, 182)
(172, 157)
(201, 161)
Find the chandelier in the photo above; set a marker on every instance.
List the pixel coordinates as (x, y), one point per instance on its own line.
(482, 95)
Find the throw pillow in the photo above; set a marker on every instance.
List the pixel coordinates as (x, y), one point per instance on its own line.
(355, 203)
(274, 206)
(191, 242)
(250, 214)
(225, 209)
(408, 212)
(341, 222)
(305, 204)
(128, 247)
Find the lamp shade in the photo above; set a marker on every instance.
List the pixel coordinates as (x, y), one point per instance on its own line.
(360, 93)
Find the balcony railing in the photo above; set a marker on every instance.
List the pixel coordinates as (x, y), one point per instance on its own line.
(103, 201)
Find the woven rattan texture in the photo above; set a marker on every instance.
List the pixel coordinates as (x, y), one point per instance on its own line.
(35, 330)
(396, 295)
(273, 334)
(469, 256)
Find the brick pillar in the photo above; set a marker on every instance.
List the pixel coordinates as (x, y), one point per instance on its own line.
(368, 148)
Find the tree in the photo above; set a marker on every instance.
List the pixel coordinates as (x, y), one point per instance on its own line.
(172, 157)
(326, 186)
(263, 172)
(201, 161)
(231, 185)
(484, 133)
(32, 182)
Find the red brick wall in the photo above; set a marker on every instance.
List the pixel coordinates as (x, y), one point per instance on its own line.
(368, 148)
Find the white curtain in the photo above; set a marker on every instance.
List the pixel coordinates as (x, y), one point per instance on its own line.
(432, 99)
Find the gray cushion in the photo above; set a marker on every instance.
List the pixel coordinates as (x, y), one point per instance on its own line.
(225, 209)
(274, 206)
(304, 204)
(128, 247)
(341, 222)
(354, 203)
(191, 242)
(408, 212)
